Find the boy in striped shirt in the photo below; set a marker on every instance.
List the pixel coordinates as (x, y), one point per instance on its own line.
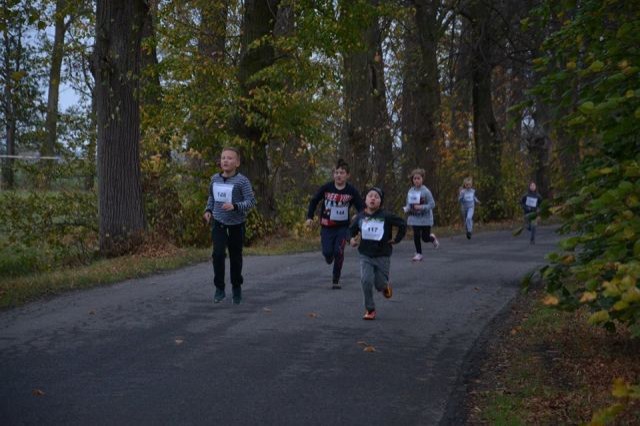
(230, 198)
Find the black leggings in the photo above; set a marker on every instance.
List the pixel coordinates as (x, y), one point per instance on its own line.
(421, 233)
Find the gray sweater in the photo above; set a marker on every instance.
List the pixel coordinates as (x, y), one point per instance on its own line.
(237, 190)
(423, 198)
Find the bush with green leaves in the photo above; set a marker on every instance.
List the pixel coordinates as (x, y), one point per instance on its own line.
(592, 66)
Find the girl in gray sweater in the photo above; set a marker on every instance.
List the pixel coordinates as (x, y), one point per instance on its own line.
(419, 208)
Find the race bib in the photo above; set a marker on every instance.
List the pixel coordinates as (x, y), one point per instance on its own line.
(532, 202)
(468, 197)
(372, 229)
(414, 197)
(222, 192)
(339, 213)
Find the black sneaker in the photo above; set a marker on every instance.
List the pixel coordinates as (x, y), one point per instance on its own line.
(219, 296)
(468, 235)
(336, 285)
(237, 295)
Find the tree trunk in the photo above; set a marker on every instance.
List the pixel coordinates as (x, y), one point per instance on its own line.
(51, 125)
(487, 137)
(423, 91)
(367, 128)
(213, 29)
(258, 21)
(118, 37)
(8, 106)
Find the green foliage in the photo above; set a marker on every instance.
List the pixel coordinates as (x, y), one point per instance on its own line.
(45, 229)
(598, 51)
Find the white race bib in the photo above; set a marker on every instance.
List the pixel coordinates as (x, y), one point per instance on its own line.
(531, 202)
(413, 197)
(339, 213)
(468, 196)
(372, 229)
(222, 192)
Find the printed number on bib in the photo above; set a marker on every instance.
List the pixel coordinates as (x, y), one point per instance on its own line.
(339, 213)
(222, 192)
(414, 197)
(372, 229)
(531, 202)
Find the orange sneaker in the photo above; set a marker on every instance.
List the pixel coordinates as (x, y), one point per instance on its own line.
(388, 291)
(369, 315)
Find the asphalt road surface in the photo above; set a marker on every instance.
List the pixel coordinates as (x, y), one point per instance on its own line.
(157, 351)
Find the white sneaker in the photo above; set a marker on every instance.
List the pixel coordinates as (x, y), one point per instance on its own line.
(417, 257)
(435, 241)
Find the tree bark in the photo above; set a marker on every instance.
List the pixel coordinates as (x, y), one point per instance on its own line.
(486, 133)
(51, 124)
(368, 139)
(118, 37)
(258, 21)
(422, 90)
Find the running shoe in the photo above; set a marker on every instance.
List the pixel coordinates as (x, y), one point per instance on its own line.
(435, 241)
(388, 291)
(468, 235)
(237, 295)
(336, 285)
(369, 315)
(417, 257)
(219, 296)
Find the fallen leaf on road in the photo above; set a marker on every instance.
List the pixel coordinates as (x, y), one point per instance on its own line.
(369, 349)
(37, 392)
(92, 312)
(179, 340)
(312, 315)
(476, 288)
(266, 310)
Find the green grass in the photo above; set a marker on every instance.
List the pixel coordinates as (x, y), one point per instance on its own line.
(16, 291)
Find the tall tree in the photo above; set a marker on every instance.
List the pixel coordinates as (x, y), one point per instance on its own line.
(258, 24)
(421, 89)
(18, 77)
(51, 125)
(367, 128)
(118, 38)
(486, 132)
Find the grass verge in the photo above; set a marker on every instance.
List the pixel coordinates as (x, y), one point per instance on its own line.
(544, 366)
(16, 291)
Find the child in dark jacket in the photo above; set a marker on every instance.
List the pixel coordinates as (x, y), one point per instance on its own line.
(530, 203)
(375, 247)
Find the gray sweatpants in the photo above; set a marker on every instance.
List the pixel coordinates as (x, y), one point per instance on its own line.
(374, 272)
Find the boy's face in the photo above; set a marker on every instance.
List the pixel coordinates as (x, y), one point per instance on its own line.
(373, 200)
(467, 184)
(340, 176)
(417, 180)
(532, 187)
(229, 161)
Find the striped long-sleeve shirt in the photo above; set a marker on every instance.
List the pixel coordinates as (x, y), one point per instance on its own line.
(234, 189)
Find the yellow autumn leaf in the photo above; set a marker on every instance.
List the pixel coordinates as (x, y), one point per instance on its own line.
(620, 388)
(599, 317)
(550, 300)
(571, 65)
(369, 349)
(588, 296)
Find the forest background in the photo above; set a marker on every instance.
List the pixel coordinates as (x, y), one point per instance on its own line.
(505, 91)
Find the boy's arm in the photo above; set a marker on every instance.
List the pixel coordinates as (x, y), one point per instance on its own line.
(357, 201)
(314, 202)
(400, 224)
(211, 200)
(248, 199)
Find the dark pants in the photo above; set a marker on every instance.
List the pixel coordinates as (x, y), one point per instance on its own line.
(232, 237)
(333, 242)
(421, 232)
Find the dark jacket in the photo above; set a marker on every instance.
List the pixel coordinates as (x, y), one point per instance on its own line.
(333, 197)
(528, 200)
(380, 248)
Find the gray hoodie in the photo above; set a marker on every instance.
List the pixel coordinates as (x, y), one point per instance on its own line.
(423, 198)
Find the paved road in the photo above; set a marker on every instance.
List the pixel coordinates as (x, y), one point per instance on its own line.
(157, 350)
